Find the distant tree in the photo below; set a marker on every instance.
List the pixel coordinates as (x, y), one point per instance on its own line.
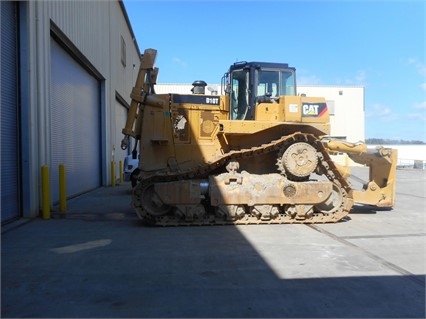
(383, 141)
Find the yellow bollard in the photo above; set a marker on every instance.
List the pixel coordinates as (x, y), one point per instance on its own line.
(112, 173)
(45, 192)
(62, 189)
(121, 171)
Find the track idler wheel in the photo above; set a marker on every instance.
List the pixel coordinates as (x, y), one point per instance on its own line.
(147, 201)
(333, 203)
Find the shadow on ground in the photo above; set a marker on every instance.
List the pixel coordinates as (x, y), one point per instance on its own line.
(118, 268)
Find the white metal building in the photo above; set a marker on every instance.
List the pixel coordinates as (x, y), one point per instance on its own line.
(345, 104)
(67, 69)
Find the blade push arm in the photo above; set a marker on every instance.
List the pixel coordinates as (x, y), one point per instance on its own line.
(380, 189)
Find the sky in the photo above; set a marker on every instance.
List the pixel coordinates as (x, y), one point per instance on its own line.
(379, 45)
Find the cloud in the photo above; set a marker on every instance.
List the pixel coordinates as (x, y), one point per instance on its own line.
(360, 78)
(419, 113)
(421, 105)
(180, 62)
(423, 86)
(380, 112)
(418, 116)
(420, 67)
(308, 80)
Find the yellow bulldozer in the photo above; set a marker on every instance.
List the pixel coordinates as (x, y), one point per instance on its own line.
(259, 153)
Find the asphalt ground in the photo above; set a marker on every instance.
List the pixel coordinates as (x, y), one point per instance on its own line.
(100, 262)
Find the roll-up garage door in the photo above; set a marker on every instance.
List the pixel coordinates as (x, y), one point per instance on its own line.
(75, 124)
(9, 113)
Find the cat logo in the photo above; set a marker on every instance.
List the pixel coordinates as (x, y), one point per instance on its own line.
(313, 110)
(310, 109)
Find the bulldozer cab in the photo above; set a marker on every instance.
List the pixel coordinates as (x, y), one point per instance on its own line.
(249, 83)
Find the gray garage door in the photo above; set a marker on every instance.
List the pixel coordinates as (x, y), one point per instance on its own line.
(75, 124)
(9, 113)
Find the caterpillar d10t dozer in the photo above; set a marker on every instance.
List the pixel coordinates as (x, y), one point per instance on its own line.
(257, 154)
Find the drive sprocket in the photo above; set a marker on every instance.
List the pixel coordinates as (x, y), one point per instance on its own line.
(297, 161)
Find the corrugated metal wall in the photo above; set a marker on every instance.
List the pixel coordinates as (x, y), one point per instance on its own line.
(96, 28)
(87, 25)
(92, 32)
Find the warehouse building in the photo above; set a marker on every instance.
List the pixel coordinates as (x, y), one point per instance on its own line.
(67, 69)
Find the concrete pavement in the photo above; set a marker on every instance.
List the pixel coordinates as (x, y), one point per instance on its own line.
(100, 261)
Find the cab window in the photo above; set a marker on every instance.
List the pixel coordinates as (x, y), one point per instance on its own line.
(239, 94)
(275, 83)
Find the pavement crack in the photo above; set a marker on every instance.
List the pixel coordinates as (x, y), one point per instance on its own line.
(384, 236)
(412, 277)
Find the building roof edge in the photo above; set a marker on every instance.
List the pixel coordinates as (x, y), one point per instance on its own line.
(129, 25)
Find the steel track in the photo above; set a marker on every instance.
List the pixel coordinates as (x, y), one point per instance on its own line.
(326, 168)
